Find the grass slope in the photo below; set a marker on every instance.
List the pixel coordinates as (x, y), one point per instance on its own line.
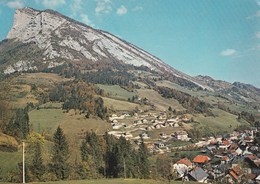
(119, 105)
(222, 121)
(116, 92)
(9, 161)
(159, 102)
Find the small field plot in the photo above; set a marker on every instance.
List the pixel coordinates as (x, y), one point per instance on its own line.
(120, 105)
(46, 119)
(9, 161)
(117, 92)
(42, 79)
(222, 121)
(156, 99)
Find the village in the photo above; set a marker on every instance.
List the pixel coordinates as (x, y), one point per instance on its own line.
(229, 158)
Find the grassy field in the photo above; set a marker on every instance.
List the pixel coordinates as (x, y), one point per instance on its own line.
(159, 102)
(117, 92)
(46, 119)
(119, 105)
(9, 161)
(222, 122)
(112, 181)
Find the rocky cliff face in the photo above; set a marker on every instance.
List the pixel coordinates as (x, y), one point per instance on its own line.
(56, 39)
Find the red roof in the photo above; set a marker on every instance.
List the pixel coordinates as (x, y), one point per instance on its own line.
(225, 142)
(251, 157)
(234, 175)
(233, 146)
(225, 158)
(184, 161)
(237, 170)
(201, 159)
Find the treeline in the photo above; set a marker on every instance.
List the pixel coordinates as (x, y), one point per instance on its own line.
(192, 104)
(113, 158)
(79, 95)
(109, 76)
(182, 82)
(249, 117)
(101, 156)
(67, 70)
(18, 124)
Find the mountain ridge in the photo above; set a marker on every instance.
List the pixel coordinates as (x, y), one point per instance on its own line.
(72, 41)
(62, 37)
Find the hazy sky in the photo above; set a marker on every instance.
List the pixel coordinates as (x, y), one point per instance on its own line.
(219, 38)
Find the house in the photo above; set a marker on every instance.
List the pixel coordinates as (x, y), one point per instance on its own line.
(115, 117)
(144, 135)
(181, 135)
(157, 126)
(198, 174)
(253, 160)
(224, 145)
(236, 173)
(159, 144)
(182, 166)
(201, 159)
(163, 135)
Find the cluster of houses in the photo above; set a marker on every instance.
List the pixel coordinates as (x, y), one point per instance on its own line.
(234, 158)
(148, 122)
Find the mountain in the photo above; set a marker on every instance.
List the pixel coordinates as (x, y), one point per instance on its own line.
(237, 90)
(46, 39)
(40, 40)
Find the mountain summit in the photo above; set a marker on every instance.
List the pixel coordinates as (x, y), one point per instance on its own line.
(46, 39)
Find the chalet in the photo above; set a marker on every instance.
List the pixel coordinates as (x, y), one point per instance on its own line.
(224, 145)
(163, 135)
(157, 126)
(181, 135)
(182, 166)
(198, 175)
(173, 120)
(225, 159)
(116, 126)
(115, 117)
(201, 159)
(144, 135)
(253, 161)
(159, 144)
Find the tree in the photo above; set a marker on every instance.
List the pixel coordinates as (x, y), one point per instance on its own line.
(19, 124)
(257, 138)
(91, 152)
(60, 151)
(37, 167)
(143, 160)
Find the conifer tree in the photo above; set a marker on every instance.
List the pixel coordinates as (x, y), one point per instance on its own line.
(143, 160)
(37, 168)
(59, 165)
(19, 124)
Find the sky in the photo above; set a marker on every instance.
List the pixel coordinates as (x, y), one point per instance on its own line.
(218, 38)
